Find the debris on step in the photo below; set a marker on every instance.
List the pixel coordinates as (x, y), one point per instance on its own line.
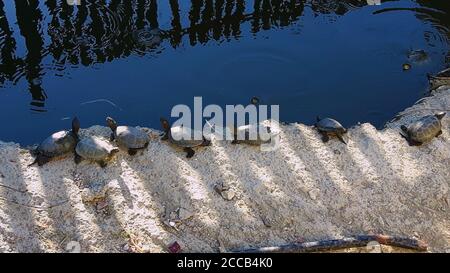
(222, 248)
(101, 205)
(374, 247)
(228, 195)
(220, 187)
(73, 247)
(184, 214)
(95, 192)
(126, 248)
(177, 217)
(225, 191)
(174, 247)
(313, 194)
(267, 221)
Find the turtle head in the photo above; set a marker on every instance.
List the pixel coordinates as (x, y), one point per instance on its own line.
(111, 123)
(404, 128)
(165, 124)
(254, 101)
(75, 126)
(440, 115)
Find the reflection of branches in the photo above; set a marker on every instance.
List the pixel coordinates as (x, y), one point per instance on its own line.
(7, 48)
(28, 18)
(176, 24)
(101, 31)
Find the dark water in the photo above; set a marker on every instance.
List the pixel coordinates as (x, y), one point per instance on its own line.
(323, 57)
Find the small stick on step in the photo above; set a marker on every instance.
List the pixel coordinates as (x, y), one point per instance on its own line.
(34, 207)
(356, 241)
(13, 189)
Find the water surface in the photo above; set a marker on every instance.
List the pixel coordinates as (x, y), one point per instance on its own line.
(135, 60)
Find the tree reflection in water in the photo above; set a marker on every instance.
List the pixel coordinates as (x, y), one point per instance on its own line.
(102, 31)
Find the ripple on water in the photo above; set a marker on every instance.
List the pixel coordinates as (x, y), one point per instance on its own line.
(146, 39)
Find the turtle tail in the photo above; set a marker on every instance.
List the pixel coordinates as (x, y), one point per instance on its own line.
(35, 153)
(40, 160)
(34, 163)
(404, 128)
(440, 115)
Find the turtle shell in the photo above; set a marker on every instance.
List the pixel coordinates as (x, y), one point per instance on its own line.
(425, 128)
(94, 148)
(329, 125)
(184, 137)
(418, 56)
(58, 144)
(131, 137)
(244, 134)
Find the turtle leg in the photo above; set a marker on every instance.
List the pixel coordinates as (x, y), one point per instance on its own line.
(404, 136)
(410, 141)
(132, 152)
(165, 136)
(206, 142)
(341, 138)
(78, 159)
(235, 140)
(102, 163)
(34, 152)
(40, 160)
(190, 152)
(414, 143)
(325, 137)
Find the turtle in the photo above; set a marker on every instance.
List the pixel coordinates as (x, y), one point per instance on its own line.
(255, 101)
(418, 56)
(178, 136)
(423, 130)
(330, 127)
(131, 138)
(242, 134)
(440, 79)
(94, 149)
(57, 145)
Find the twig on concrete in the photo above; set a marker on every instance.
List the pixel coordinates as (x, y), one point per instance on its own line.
(34, 207)
(356, 241)
(13, 189)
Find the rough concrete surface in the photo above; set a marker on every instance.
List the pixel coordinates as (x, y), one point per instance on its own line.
(304, 191)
